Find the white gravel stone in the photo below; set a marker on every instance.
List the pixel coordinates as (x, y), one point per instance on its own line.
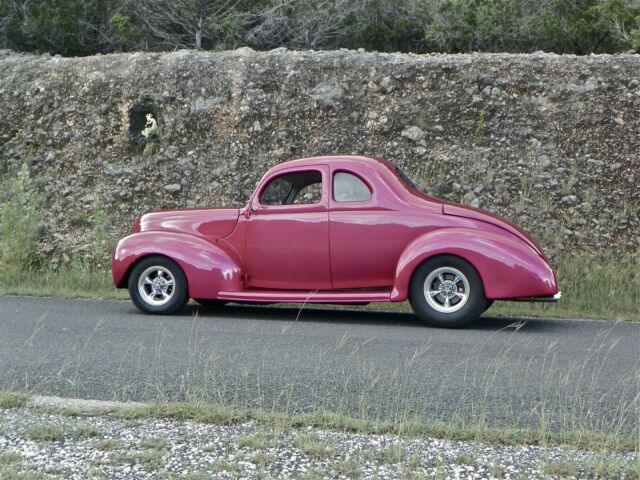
(203, 449)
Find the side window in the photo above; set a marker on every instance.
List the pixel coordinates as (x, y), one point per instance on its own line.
(349, 188)
(297, 188)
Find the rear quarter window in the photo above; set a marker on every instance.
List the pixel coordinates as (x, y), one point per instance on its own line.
(349, 188)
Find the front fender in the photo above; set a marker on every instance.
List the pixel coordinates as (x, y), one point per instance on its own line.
(508, 267)
(208, 268)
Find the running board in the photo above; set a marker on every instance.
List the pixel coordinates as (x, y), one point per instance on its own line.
(295, 296)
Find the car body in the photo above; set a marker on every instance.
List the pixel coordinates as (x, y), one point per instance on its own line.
(335, 229)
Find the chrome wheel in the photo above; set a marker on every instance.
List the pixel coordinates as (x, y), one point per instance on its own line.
(156, 285)
(446, 289)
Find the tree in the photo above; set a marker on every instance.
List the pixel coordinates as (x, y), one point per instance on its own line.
(185, 23)
(586, 26)
(303, 23)
(68, 27)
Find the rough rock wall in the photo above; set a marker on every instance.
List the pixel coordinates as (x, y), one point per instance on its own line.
(551, 142)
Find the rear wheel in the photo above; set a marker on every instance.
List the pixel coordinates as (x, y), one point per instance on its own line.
(157, 285)
(446, 291)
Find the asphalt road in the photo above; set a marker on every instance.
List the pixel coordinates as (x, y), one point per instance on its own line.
(503, 371)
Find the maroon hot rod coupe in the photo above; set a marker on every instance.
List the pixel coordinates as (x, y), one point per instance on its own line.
(338, 229)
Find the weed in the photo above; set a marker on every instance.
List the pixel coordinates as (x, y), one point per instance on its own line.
(196, 411)
(312, 446)
(392, 455)
(153, 443)
(633, 472)
(73, 280)
(479, 134)
(44, 433)
(8, 458)
(20, 223)
(57, 472)
(347, 468)
(258, 441)
(109, 445)
(560, 468)
(605, 469)
(496, 471)
(225, 466)
(412, 462)
(13, 399)
(86, 431)
(262, 459)
(223, 415)
(149, 460)
(65, 411)
(102, 245)
(313, 474)
(193, 476)
(465, 459)
(11, 474)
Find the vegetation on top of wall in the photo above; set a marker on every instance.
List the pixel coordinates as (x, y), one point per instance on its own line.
(79, 27)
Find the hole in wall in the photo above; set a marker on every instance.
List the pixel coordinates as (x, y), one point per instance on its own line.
(139, 123)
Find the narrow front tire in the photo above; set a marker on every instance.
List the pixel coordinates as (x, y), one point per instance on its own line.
(157, 285)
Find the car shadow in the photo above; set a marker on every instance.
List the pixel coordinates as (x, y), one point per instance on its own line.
(347, 315)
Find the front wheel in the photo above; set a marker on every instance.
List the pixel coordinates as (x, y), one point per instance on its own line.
(158, 285)
(446, 291)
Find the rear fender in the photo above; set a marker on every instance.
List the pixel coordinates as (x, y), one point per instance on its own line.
(508, 267)
(208, 268)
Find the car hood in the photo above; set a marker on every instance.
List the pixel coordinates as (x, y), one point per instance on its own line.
(210, 223)
(483, 216)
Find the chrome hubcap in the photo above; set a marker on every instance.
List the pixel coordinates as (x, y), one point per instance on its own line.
(156, 286)
(446, 289)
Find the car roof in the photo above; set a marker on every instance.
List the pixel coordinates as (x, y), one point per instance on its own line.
(352, 161)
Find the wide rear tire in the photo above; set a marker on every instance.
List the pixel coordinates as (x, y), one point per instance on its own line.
(446, 291)
(157, 285)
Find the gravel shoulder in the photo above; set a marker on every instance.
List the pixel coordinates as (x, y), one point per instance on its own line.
(46, 444)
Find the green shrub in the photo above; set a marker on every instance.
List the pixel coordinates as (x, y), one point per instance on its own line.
(20, 224)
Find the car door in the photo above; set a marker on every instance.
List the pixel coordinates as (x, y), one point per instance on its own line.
(287, 240)
(365, 236)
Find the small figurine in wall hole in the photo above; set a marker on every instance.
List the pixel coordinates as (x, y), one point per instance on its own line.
(151, 127)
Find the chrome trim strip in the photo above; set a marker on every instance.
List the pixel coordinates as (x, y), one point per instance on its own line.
(552, 299)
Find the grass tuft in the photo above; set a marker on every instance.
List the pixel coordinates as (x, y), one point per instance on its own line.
(392, 455)
(11, 474)
(465, 459)
(348, 469)
(312, 446)
(9, 458)
(262, 459)
(13, 399)
(44, 433)
(149, 460)
(560, 469)
(153, 443)
(109, 445)
(258, 441)
(86, 431)
(225, 466)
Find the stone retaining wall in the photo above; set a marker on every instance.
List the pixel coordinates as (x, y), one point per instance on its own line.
(551, 142)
